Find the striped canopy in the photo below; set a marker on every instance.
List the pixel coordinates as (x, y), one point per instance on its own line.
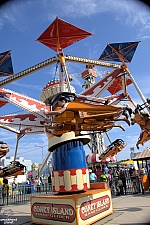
(143, 155)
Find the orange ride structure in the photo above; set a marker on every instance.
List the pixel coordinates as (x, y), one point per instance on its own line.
(87, 116)
(4, 149)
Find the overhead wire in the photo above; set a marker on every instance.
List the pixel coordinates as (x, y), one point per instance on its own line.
(30, 150)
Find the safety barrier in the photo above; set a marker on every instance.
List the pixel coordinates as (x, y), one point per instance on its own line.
(127, 186)
(23, 192)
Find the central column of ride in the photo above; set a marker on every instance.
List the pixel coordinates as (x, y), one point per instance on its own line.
(69, 168)
(72, 202)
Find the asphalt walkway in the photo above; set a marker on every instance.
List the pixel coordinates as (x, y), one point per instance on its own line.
(128, 210)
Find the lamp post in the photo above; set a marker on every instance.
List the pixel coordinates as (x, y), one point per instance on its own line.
(42, 150)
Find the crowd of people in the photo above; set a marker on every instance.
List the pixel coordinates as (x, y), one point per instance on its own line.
(119, 178)
(39, 183)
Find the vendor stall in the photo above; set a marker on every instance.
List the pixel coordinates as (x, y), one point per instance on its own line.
(144, 156)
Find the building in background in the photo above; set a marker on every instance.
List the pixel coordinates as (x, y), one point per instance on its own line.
(47, 169)
(36, 172)
(132, 153)
(5, 161)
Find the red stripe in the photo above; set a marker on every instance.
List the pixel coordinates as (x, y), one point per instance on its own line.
(93, 158)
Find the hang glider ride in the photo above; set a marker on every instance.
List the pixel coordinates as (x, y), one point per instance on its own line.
(86, 117)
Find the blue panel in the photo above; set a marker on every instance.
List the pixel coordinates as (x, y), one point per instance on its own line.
(126, 50)
(6, 64)
(69, 156)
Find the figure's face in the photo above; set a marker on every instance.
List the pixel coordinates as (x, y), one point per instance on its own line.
(61, 103)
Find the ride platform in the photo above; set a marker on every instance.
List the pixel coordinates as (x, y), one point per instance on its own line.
(73, 209)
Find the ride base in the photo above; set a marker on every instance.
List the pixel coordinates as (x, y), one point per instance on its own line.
(74, 209)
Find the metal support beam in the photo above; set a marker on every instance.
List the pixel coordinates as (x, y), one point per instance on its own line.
(91, 62)
(10, 129)
(44, 162)
(28, 71)
(137, 88)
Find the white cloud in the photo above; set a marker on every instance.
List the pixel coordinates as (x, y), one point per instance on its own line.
(144, 37)
(77, 82)
(29, 86)
(124, 12)
(27, 145)
(13, 14)
(1, 23)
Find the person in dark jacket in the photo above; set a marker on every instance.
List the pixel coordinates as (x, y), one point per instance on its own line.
(123, 179)
(5, 189)
(50, 182)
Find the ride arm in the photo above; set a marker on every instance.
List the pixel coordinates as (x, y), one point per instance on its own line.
(51, 113)
(58, 112)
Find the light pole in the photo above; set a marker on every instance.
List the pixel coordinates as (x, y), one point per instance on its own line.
(42, 150)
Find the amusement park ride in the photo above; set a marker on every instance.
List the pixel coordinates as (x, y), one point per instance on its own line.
(87, 116)
(3, 149)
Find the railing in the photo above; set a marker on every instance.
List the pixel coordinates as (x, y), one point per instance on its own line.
(128, 186)
(23, 192)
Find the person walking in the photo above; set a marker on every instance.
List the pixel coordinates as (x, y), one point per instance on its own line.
(106, 169)
(50, 182)
(122, 178)
(14, 188)
(104, 176)
(115, 181)
(140, 176)
(92, 176)
(149, 176)
(110, 178)
(127, 175)
(5, 189)
(134, 180)
(98, 173)
(42, 183)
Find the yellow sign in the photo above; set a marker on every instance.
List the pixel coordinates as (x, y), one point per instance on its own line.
(35, 166)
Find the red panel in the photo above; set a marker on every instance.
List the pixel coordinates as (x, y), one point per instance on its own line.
(93, 158)
(2, 103)
(88, 72)
(61, 34)
(117, 85)
(98, 88)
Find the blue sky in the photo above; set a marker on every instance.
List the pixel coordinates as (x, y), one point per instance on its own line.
(111, 21)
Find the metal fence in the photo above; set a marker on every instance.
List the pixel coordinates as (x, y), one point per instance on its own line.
(23, 192)
(127, 187)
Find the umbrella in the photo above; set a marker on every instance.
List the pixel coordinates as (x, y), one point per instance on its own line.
(127, 162)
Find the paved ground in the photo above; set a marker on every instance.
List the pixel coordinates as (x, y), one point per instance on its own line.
(128, 210)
